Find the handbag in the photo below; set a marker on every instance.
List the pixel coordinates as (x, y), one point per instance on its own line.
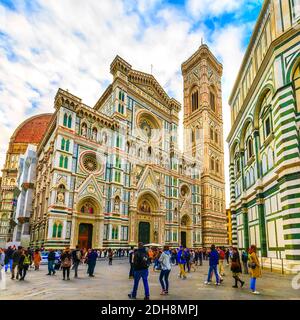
(66, 263)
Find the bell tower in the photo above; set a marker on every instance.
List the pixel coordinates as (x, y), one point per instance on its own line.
(203, 138)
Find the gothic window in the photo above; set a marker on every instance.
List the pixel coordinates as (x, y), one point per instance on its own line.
(296, 80)
(217, 166)
(59, 231)
(211, 131)
(195, 100)
(54, 230)
(63, 143)
(212, 164)
(68, 145)
(65, 120)
(149, 151)
(66, 163)
(212, 101)
(70, 122)
(87, 208)
(264, 164)
(127, 147)
(267, 127)
(61, 161)
(118, 176)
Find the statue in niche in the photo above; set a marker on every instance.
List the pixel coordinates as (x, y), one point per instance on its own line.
(145, 207)
(95, 134)
(83, 130)
(117, 204)
(60, 198)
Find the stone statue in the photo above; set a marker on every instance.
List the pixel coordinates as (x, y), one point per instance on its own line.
(83, 131)
(60, 198)
(95, 135)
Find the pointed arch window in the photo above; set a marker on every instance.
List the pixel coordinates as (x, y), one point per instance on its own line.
(66, 163)
(63, 143)
(249, 148)
(68, 145)
(59, 230)
(65, 120)
(195, 100)
(70, 122)
(61, 161)
(212, 100)
(54, 230)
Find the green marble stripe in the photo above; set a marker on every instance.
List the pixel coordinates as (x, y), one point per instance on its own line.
(276, 104)
(288, 157)
(287, 130)
(290, 147)
(292, 257)
(291, 216)
(291, 226)
(292, 247)
(283, 114)
(283, 105)
(284, 122)
(291, 196)
(287, 139)
(296, 186)
(270, 191)
(291, 206)
(293, 236)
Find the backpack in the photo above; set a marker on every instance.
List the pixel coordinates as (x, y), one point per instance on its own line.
(26, 260)
(66, 263)
(78, 255)
(141, 260)
(182, 256)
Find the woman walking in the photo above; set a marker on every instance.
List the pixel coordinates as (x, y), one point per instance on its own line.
(254, 269)
(165, 263)
(236, 268)
(110, 256)
(37, 259)
(66, 262)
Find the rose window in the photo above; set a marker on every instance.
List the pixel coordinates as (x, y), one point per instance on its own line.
(89, 163)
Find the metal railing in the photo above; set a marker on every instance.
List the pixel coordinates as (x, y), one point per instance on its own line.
(272, 264)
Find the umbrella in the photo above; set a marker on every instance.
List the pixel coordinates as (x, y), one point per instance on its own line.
(153, 245)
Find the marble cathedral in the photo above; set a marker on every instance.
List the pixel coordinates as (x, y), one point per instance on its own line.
(112, 175)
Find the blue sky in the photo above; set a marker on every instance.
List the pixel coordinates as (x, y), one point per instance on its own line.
(46, 44)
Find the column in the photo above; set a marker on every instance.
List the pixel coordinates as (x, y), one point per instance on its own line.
(257, 147)
(262, 224)
(246, 226)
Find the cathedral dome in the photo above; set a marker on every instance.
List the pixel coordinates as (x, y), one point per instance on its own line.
(32, 130)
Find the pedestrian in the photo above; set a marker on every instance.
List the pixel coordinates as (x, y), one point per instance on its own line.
(213, 257)
(91, 262)
(76, 258)
(66, 262)
(24, 264)
(8, 259)
(131, 255)
(245, 261)
(51, 262)
(188, 259)
(141, 262)
(181, 262)
(37, 259)
(165, 262)
(255, 271)
(236, 268)
(15, 258)
(110, 256)
(2, 263)
(227, 256)
(221, 261)
(200, 256)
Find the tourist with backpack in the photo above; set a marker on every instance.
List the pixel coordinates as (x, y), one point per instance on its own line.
(245, 261)
(188, 259)
(165, 263)
(66, 262)
(213, 265)
(141, 264)
(16, 258)
(131, 255)
(91, 262)
(24, 264)
(76, 257)
(181, 258)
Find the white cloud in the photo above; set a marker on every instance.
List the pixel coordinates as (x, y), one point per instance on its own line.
(71, 45)
(206, 8)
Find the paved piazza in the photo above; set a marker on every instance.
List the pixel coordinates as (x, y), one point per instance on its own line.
(111, 282)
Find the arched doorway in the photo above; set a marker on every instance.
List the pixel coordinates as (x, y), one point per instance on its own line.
(144, 232)
(186, 231)
(85, 235)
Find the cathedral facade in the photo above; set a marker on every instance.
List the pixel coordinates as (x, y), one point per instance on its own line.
(112, 175)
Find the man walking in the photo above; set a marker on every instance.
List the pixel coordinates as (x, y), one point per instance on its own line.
(140, 266)
(131, 255)
(16, 258)
(51, 262)
(76, 257)
(213, 265)
(181, 258)
(245, 261)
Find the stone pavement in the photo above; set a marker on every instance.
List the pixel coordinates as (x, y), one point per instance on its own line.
(111, 282)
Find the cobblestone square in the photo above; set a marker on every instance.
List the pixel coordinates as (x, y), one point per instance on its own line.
(112, 283)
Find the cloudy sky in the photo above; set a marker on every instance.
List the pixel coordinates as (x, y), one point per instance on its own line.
(47, 44)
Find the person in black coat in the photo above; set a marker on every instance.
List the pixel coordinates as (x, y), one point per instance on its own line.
(236, 268)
